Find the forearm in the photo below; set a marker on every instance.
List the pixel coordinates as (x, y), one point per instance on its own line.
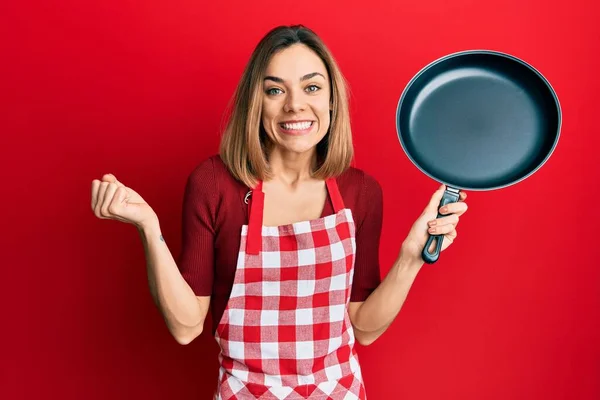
(172, 295)
(380, 309)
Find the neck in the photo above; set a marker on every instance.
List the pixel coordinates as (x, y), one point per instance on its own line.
(292, 168)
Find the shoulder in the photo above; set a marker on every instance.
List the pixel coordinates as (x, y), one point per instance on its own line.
(212, 171)
(210, 185)
(354, 181)
(362, 193)
(208, 168)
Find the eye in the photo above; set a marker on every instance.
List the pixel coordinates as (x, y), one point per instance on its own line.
(316, 88)
(270, 91)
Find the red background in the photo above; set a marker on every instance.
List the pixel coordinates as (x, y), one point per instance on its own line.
(138, 89)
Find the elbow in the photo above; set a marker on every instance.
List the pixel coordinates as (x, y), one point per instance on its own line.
(185, 338)
(364, 339)
(365, 342)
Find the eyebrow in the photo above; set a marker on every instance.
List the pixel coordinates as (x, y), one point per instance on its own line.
(305, 77)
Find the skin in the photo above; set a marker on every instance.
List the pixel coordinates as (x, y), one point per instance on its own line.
(298, 90)
(291, 97)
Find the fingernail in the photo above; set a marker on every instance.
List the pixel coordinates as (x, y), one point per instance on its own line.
(432, 223)
(443, 210)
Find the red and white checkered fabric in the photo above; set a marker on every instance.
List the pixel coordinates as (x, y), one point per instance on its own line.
(286, 333)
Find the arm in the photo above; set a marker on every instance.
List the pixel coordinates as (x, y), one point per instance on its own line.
(183, 311)
(373, 316)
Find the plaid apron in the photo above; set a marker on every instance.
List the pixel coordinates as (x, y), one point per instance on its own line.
(285, 332)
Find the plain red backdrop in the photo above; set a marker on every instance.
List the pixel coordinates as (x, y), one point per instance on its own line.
(138, 89)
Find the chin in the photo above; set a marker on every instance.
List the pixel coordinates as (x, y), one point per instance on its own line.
(299, 144)
(299, 148)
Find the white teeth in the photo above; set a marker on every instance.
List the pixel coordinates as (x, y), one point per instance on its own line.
(297, 125)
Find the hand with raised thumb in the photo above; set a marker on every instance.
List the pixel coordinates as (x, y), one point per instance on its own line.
(113, 200)
(428, 224)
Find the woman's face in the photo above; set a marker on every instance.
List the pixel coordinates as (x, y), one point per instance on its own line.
(296, 101)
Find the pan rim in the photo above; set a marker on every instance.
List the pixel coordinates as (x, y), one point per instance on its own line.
(473, 52)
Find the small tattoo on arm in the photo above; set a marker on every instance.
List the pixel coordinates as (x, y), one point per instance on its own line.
(161, 238)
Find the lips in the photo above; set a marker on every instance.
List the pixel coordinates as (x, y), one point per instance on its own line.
(296, 127)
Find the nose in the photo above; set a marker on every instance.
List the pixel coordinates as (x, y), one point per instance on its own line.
(294, 102)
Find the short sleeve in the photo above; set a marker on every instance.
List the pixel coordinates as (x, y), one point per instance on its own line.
(368, 233)
(196, 260)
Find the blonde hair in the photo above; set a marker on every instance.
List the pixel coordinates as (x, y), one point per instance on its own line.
(244, 142)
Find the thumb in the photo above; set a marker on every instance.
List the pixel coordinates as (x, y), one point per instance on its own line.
(112, 179)
(436, 198)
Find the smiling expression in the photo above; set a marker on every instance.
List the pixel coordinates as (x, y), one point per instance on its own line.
(296, 101)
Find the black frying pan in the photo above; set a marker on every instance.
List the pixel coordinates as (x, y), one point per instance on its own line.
(477, 120)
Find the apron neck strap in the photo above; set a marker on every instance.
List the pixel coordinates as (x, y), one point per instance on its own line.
(257, 204)
(334, 194)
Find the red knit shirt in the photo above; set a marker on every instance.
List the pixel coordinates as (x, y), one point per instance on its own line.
(214, 212)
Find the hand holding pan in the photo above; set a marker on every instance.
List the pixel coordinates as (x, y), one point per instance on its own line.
(477, 120)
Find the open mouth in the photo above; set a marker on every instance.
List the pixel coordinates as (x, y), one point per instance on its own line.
(296, 128)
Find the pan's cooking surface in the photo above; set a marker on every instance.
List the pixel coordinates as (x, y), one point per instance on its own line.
(478, 121)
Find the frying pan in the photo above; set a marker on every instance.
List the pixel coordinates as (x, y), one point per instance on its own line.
(477, 120)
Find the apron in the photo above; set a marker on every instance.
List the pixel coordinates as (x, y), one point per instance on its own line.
(285, 332)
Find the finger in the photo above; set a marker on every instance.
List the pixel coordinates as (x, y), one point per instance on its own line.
(462, 196)
(458, 208)
(441, 230)
(436, 198)
(95, 188)
(108, 196)
(111, 179)
(450, 219)
(101, 191)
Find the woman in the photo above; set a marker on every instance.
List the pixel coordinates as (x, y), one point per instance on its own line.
(281, 235)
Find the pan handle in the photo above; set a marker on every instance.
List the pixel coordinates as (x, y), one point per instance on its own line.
(451, 195)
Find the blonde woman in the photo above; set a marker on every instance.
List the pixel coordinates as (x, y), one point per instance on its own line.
(281, 235)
